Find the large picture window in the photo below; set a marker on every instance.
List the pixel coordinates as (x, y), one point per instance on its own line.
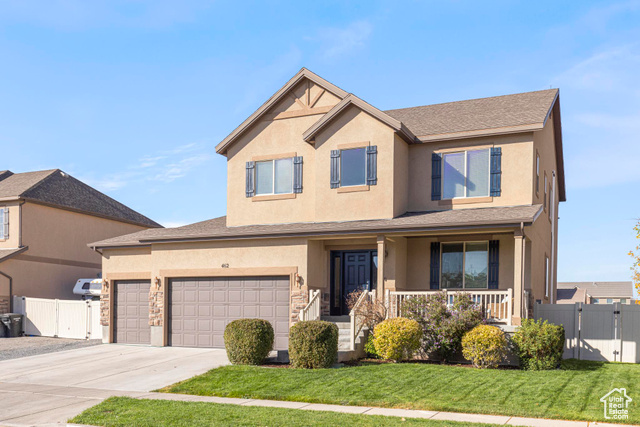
(3, 221)
(465, 265)
(353, 167)
(274, 176)
(466, 174)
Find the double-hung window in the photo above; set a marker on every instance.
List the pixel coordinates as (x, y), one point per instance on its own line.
(274, 176)
(466, 174)
(465, 265)
(546, 277)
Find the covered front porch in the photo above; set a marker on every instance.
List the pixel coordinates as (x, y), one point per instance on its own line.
(492, 265)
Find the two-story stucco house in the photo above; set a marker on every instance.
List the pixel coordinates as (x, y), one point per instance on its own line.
(46, 220)
(327, 193)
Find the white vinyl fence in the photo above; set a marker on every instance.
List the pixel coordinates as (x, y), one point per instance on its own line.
(59, 318)
(601, 332)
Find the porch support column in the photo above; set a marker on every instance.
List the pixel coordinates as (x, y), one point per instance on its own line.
(518, 276)
(382, 247)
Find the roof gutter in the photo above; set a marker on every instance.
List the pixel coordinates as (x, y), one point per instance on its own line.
(333, 233)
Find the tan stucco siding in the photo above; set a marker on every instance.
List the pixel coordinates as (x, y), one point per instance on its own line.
(43, 279)
(400, 176)
(274, 138)
(355, 126)
(517, 159)
(234, 255)
(61, 234)
(540, 232)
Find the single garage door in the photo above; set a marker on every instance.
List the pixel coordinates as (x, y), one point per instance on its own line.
(132, 312)
(201, 308)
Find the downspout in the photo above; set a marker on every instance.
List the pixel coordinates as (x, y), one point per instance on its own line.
(553, 236)
(522, 268)
(10, 290)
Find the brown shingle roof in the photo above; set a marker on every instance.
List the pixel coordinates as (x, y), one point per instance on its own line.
(216, 229)
(530, 108)
(601, 289)
(56, 188)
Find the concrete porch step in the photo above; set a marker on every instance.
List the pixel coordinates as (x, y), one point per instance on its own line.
(336, 319)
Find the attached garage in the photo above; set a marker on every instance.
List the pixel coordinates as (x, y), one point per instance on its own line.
(200, 308)
(132, 312)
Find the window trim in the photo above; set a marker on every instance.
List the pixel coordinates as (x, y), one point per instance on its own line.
(273, 177)
(464, 259)
(354, 187)
(544, 202)
(466, 156)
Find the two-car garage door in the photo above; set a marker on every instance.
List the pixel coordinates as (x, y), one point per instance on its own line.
(201, 308)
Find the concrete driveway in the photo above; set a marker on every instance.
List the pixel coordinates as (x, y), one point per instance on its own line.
(51, 388)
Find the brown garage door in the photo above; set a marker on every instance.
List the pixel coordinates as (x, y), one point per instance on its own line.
(201, 308)
(132, 312)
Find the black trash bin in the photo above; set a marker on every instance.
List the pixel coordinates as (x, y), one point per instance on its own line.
(12, 324)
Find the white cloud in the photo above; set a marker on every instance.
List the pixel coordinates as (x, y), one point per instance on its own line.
(338, 42)
(165, 167)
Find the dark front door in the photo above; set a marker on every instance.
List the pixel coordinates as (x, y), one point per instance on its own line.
(351, 271)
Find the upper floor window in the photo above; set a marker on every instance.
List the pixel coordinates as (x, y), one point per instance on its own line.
(546, 193)
(465, 265)
(466, 174)
(546, 277)
(353, 167)
(274, 176)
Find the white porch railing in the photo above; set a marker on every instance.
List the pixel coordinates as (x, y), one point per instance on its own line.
(312, 310)
(356, 324)
(497, 306)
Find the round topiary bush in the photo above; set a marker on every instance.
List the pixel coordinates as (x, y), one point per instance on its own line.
(485, 346)
(248, 341)
(313, 344)
(397, 338)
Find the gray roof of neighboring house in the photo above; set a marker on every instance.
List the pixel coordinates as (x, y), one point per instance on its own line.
(601, 289)
(56, 188)
(529, 108)
(570, 296)
(216, 229)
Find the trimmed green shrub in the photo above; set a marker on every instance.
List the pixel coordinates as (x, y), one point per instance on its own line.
(397, 338)
(485, 346)
(313, 344)
(443, 325)
(248, 341)
(539, 344)
(370, 348)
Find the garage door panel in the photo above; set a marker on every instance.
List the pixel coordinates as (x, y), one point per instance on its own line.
(132, 312)
(201, 322)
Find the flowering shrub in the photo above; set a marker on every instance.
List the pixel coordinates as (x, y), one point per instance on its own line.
(485, 346)
(442, 325)
(397, 338)
(539, 344)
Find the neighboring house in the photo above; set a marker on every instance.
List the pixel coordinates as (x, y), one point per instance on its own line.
(595, 292)
(326, 192)
(47, 219)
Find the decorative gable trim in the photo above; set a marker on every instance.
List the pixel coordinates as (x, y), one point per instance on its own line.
(310, 134)
(224, 145)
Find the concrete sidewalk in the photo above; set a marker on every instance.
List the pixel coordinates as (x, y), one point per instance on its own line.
(57, 404)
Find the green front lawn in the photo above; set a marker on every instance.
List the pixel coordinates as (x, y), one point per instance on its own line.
(124, 411)
(572, 392)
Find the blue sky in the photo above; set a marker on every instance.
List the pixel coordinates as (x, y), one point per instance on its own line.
(132, 96)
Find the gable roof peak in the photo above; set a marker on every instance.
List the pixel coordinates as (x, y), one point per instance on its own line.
(222, 147)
